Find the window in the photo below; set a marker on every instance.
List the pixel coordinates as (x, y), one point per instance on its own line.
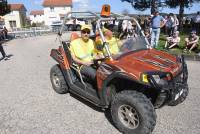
(64, 8)
(52, 9)
(12, 24)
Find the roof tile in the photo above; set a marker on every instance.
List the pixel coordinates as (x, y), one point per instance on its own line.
(57, 3)
(37, 12)
(17, 7)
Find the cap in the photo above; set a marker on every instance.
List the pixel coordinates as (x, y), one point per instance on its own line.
(85, 27)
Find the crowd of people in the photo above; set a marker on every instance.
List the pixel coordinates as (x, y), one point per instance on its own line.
(154, 24)
(169, 26)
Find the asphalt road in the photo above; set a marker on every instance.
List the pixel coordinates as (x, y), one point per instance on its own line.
(28, 104)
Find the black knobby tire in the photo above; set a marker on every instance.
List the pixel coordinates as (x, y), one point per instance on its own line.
(181, 98)
(57, 80)
(142, 113)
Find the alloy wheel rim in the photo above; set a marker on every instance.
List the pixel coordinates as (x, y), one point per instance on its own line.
(56, 80)
(128, 116)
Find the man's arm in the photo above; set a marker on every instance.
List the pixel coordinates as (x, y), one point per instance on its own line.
(195, 41)
(162, 23)
(78, 61)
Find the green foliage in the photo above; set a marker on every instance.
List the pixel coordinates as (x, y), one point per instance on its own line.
(34, 25)
(145, 4)
(4, 7)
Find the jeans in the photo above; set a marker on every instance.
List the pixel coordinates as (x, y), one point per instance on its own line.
(89, 73)
(155, 33)
(2, 51)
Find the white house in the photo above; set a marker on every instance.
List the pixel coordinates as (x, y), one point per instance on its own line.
(37, 16)
(54, 10)
(17, 17)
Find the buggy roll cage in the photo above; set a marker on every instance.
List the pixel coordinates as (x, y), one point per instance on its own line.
(100, 19)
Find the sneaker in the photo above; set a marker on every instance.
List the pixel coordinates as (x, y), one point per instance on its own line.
(6, 58)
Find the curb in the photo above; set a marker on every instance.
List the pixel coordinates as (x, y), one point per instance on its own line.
(192, 57)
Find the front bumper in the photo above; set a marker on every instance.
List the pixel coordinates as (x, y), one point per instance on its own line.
(173, 89)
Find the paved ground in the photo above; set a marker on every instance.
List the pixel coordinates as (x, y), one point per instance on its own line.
(28, 105)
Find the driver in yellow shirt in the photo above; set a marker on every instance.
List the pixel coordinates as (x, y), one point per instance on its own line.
(83, 53)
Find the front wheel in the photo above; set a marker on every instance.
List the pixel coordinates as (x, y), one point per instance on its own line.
(57, 80)
(133, 113)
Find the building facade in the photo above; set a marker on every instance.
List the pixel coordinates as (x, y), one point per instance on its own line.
(54, 10)
(17, 17)
(37, 16)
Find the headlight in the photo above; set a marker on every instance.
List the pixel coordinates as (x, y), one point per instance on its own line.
(145, 78)
(159, 78)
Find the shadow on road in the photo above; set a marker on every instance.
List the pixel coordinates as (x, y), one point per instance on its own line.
(96, 108)
(7, 57)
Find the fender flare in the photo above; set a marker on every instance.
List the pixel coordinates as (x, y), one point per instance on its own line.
(116, 74)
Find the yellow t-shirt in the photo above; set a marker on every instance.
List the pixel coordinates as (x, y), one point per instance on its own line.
(113, 45)
(84, 51)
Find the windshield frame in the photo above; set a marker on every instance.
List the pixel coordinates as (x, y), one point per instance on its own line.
(100, 19)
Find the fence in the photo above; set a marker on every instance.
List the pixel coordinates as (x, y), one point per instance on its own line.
(29, 32)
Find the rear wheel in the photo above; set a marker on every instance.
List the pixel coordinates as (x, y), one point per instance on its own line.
(133, 113)
(57, 80)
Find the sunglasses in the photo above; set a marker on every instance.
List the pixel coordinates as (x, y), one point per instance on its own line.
(84, 32)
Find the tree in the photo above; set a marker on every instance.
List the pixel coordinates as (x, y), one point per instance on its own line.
(4, 7)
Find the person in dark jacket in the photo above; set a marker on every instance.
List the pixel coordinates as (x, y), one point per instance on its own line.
(4, 56)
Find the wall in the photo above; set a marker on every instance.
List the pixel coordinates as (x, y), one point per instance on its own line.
(37, 19)
(18, 16)
(52, 16)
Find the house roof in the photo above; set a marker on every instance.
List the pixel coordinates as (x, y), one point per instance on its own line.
(17, 7)
(37, 12)
(57, 3)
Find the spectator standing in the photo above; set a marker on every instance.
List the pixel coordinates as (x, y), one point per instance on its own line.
(168, 25)
(94, 26)
(4, 56)
(5, 33)
(157, 22)
(196, 21)
(146, 22)
(175, 24)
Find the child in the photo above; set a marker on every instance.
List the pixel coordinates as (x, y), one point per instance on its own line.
(172, 41)
(192, 41)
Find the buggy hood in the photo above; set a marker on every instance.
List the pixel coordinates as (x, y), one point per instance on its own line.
(137, 62)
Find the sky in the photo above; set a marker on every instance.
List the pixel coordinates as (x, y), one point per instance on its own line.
(95, 5)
